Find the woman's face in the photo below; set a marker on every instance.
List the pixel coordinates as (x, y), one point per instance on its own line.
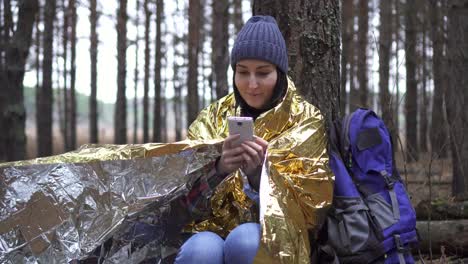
(256, 82)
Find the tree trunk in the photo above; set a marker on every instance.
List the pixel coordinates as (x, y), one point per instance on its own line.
(157, 124)
(237, 15)
(457, 94)
(424, 101)
(136, 73)
(219, 43)
(450, 234)
(312, 33)
(120, 121)
(93, 113)
(66, 95)
(385, 43)
(15, 53)
(72, 117)
(147, 72)
(44, 97)
(411, 103)
(396, 112)
(347, 18)
(438, 134)
(193, 50)
(363, 30)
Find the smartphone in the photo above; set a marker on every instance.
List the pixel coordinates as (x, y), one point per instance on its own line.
(242, 126)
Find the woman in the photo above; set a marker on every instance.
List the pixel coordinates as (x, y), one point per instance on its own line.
(289, 145)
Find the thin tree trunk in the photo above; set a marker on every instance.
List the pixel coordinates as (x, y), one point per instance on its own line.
(120, 121)
(347, 18)
(193, 50)
(44, 97)
(438, 136)
(66, 107)
(362, 52)
(157, 125)
(16, 49)
(313, 41)
(147, 72)
(237, 19)
(93, 113)
(457, 94)
(385, 43)
(424, 101)
(353, 103)
(397, 71)
(136, 73)
(411, 104)
(72, 117)
(219, 44)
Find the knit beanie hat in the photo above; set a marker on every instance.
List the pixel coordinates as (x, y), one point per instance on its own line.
(261, 39)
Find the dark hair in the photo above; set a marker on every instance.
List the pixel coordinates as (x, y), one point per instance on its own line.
(278, 94)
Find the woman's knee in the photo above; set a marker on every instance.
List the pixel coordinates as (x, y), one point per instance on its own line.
(204, 247)
(242, 243)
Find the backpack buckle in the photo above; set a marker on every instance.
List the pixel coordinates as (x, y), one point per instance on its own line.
(388, 180)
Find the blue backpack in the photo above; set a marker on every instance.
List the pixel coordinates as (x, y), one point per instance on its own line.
(372, 219)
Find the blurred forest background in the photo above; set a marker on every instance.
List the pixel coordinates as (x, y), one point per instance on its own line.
(85, 71)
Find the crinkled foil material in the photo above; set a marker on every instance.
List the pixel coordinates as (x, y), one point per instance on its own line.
(117, 201)
(300, 183)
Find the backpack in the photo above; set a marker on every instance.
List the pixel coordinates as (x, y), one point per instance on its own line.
(372, 219)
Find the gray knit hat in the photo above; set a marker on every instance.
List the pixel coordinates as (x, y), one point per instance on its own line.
(260, 38)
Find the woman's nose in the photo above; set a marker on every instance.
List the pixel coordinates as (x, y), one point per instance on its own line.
(253, 82)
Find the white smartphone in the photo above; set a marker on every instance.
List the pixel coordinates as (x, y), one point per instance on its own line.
(242, 126)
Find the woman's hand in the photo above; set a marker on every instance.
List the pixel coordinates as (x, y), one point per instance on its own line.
(253, 156)
(231, 157)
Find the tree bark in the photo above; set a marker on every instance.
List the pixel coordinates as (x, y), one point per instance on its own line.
(16, 49)
(363, 30)
(147, 72)
(193, 50)
(44, 98)
(72, 117)
(237, 19)
(450, 234)
(385, 43)
(312, 33)
(411, 104)
(219, 43)
(438, 133)
(157, 120)
(457, 94)
(120, 121)
(93, 113)
(424, 102)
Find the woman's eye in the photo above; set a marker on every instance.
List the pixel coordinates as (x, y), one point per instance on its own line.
(242, 73)
(263, 73)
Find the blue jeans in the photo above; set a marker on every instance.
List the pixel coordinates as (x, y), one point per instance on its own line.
(241, 246)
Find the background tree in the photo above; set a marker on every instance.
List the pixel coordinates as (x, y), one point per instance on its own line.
(66, 109)
(93, 113)
(193, 50)
(72, 110)
(347, 29)
(157, 120)
(363, 18)
(457, 93)
(136, 73)
(312, 33)
(219, 43)
(237, 15)
(423, 76)
(385, 43)
(411, 104)
(438, 133)
(120, 121)
(13, 54)
(146, 110)
(44, 97)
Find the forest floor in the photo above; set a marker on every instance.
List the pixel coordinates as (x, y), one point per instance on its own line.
(429, 179)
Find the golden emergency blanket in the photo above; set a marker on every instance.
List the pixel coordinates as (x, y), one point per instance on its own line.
(63, 208)
(299, 184)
